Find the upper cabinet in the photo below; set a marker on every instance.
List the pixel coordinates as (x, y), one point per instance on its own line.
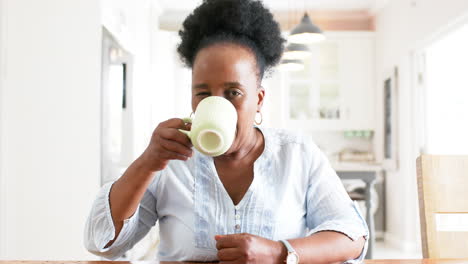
(335, 90)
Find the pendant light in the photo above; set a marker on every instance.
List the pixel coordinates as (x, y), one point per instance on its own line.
(291, 65)
(306, 32)
(296, 51)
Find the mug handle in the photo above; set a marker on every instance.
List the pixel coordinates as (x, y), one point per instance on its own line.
(186, 120)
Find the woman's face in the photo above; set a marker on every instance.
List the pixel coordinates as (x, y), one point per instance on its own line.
(230, 71)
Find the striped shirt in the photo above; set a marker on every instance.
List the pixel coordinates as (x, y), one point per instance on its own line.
(294, 193)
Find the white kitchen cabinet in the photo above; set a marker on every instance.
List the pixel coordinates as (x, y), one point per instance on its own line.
(357, 81)
(335, 90)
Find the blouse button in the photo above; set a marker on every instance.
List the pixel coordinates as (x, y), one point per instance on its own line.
(237, 216)
(236, 207)
(266, 229)
(237, 226)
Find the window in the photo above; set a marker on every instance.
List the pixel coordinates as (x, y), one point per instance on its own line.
(446, 94)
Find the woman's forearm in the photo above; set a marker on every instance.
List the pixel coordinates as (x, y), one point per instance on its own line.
(126, 194)
(326, 247)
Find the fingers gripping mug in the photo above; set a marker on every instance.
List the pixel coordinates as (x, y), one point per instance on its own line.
(213, 126)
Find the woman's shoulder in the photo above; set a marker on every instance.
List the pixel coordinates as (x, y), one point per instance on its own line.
(286, 142)
(284, 138)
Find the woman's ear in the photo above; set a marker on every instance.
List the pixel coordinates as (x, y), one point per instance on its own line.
(261, 96)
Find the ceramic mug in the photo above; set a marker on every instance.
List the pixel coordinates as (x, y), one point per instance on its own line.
(213, 126)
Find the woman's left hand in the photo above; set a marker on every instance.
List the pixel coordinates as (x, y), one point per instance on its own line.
(247, 248)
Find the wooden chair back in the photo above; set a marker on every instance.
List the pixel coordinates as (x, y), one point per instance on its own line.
(443, 203)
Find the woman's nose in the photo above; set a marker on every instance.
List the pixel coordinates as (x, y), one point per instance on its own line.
(220, 93)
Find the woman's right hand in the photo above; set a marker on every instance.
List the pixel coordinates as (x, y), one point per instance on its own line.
(167, 143)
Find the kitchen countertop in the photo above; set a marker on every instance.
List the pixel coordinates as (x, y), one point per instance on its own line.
(356, 166)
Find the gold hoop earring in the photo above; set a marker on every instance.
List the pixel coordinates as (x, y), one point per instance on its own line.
(261, 119)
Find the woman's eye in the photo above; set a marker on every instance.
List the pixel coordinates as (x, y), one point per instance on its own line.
(203, 94)
(234, 93)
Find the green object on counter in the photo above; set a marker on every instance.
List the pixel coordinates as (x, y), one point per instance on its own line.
(367, 134)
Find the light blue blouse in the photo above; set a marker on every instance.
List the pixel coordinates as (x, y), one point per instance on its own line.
(294, 193)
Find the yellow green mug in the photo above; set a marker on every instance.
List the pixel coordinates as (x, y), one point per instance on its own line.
(213, 126)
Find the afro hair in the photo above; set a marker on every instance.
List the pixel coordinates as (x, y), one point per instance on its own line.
(244, 22)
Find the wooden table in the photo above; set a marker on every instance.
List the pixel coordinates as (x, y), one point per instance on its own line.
(390, 261)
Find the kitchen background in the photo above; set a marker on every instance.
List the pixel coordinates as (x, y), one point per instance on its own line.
(84, 83)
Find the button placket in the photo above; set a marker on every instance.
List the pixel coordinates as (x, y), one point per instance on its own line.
(237, 219)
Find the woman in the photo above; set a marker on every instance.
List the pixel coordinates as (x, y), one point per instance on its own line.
(271, 197)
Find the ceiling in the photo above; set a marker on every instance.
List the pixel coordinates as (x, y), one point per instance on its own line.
(175, 11)
(282, 5)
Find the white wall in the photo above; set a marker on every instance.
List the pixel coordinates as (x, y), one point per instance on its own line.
(402, 27)
(50, 121)
(2, 77)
